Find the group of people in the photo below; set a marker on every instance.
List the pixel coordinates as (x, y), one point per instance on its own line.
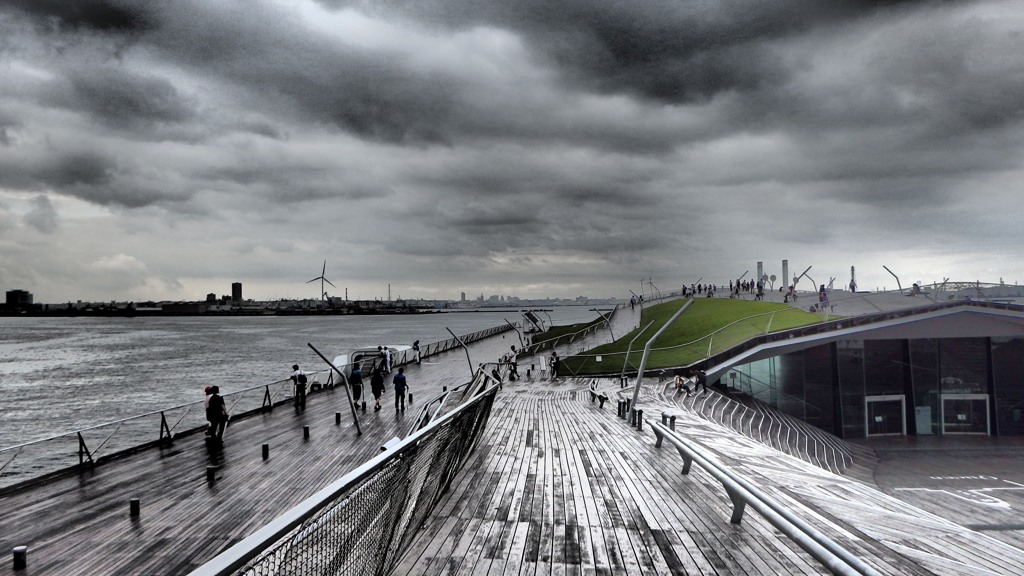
(698, 378)
(380, 368)
(553, 362)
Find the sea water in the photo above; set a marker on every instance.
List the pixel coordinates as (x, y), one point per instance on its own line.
(59, 375)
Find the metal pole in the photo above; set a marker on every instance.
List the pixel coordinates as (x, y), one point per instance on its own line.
(898, 285)
(518, 333)
(472, 374)
(607, 321)
(647, 351)
(348, 393)
(630, 349)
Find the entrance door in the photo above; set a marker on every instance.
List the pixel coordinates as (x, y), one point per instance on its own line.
(965, 414)
(885, 415)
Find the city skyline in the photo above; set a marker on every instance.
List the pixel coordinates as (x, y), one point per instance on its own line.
(152, 151)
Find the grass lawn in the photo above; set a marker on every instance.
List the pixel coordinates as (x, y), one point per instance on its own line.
(714, 324)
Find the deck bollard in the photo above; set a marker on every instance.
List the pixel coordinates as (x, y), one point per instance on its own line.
(672, 423)
(20, 557)
(628, 403)
(211, 472)
(631, 417)
(305, 432)
(266, 451)
(593, 396)
(664, 419)
(133, 508)
(410, 397)
(639, 420)
(618, 411)
(444, 388)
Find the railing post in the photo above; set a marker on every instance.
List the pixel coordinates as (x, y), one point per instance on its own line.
(165, 428)
(83, 451)
(738, 505)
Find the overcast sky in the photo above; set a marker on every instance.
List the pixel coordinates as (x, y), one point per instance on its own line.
(162, 150)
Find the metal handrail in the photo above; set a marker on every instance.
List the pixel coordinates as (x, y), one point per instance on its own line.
(552, 343)
(833, 556)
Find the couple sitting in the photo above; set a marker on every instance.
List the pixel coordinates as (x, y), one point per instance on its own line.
(682, 383)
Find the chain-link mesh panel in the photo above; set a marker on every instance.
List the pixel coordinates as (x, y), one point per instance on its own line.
(366, 529)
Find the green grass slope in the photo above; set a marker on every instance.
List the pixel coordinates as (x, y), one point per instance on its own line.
(708, 326)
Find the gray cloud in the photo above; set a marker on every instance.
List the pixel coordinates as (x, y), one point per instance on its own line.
(101, 15)
(466, 145)
(42, 217)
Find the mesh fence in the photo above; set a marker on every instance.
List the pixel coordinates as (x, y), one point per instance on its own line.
(371, 518)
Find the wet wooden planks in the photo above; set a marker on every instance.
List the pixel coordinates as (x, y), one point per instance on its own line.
(81, 524)
(562, 490)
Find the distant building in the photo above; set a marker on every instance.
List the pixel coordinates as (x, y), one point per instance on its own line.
(236, 291)
(463, 297)
(19, 299)
(211, 298)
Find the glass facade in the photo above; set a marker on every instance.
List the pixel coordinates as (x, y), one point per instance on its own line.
(855, 388)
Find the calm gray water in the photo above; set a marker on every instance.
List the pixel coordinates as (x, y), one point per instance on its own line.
(62, 374)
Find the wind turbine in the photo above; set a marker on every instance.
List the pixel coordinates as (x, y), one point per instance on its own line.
(322, 280)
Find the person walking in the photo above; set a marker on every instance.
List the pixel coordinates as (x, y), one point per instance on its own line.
(555, 365)
(513, 369)
(377, 387)
(355, 381)
(216, 413)
(416, 350)
(299, 387)
(401, 385)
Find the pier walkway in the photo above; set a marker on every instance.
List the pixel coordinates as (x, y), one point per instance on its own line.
(559, 486)
(80, 524)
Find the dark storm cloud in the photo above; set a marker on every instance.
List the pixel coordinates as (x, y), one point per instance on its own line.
(675, 52)
(266, 52)
(103, 15)
(123, 99)
(77, 169)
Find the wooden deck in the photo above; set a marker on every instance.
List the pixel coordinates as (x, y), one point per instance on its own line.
(559, 486)
(81, 524)
(565, 487)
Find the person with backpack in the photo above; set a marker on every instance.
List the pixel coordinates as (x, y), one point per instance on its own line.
(299, 387)
(216, 413)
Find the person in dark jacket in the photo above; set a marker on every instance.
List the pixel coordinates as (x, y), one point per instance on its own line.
(216, 413)
(356, 382)
(400, 387)
(377, 387)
